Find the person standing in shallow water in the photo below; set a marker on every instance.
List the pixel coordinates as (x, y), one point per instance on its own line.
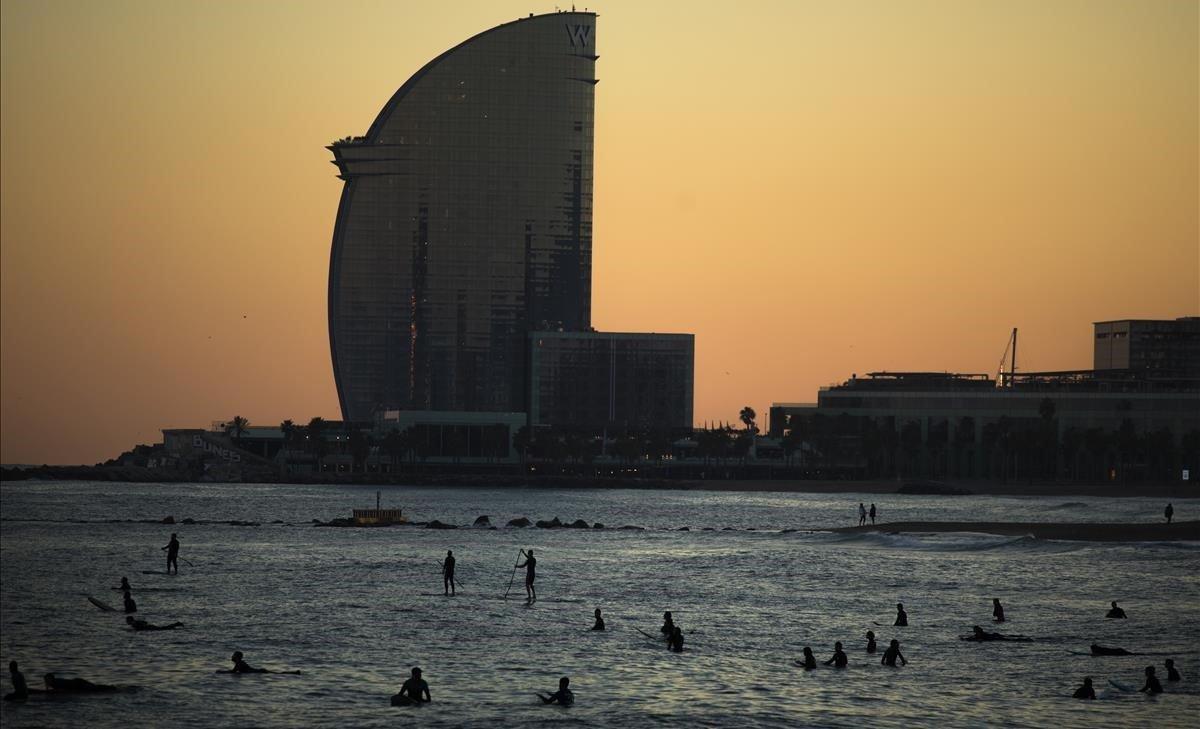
(20, 688)
(530, 566)
(172, 550)
(448, 573)
(1115, 612)
(810, 661)
(599, 621)
(901, 616)
(668, 626)
(997, 610)
(839, 656)
(563, 696)
(1152, 685)
(871, 641)
(862, 514)
(1085, 691)
(872, 513)
(1172, 674)
(892, 653)
(1169, 512)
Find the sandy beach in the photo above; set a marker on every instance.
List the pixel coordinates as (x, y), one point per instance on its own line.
(1179, 531)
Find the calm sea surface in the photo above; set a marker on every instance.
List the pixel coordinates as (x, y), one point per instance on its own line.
(354, 609)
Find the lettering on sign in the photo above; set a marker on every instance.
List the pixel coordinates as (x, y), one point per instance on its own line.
(579, 34)
(204, 445)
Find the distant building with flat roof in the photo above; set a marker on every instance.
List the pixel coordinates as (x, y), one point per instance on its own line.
(1158, 347)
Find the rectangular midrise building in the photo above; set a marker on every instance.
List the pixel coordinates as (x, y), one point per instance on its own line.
(1162, 347)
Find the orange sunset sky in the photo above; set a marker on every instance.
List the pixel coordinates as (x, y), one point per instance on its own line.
(812, 188)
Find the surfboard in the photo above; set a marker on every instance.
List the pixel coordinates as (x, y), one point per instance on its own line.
(157, 572)
(1121, 686)
(102, 605)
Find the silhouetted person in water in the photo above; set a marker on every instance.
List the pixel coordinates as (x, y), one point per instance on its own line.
(862, 514)
(1085, 691)
(1152, 685)
(20, 688)
(137, 624)
(1099, 650)
(1115, 612)
(675, 642)
(448, 573)
(124, 585)
(901, 616)
(79, 685)
(1169, 512)
(997, 610)
(562, 696)
(130, 605)
(530, 565)
(668, 626)
(172, 550)
(872, 513)
(413, 691)
(892, 653)
(839, 657)
(1172, 674)
(870, 641)
(809, 662)
(240, 666)
(599, 621)
(979, 633)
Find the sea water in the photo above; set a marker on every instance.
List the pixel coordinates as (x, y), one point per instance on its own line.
(750, 583)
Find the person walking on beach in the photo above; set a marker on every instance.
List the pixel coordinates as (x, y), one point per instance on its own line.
(1169, 512)
(871, 641)
(1116, 612)
(872, 513)
(892, 653)
(862, 514)
(901, 616)
(997, 610)
(1085, 691)
(448, 573)
(172, 550)
(530, 566)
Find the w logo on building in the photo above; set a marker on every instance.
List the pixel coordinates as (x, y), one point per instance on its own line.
(579, 34)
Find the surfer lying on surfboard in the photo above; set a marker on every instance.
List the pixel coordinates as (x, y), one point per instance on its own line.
(1100, 650)
(240, 666)
(74, 685)
(138, 624)
(980, 634)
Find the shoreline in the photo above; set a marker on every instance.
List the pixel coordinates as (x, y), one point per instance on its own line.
(1180, 531)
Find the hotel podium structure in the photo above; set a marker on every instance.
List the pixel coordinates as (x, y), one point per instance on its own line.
(465, 224)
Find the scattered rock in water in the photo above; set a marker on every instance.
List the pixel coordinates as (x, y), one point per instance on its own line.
(578, 524)
(630, 527)
(708, 529)
(684, 529)
(521, 522)
(727, 529)
(277, 521)
(168, 520)
(435, 524)
(243, 523)
(188, 520)
(597, 525)
(786, 531)
(552, 524)
(483, 521)
(338, 522)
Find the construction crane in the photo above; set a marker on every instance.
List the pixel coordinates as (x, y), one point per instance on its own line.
(1010, 346)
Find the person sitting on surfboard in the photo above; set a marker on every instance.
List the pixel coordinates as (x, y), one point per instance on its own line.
(599, 621)
(901, 616)
(1085, 691)
(563, 696)
(809, 662)
(871, 641)
(20, 688)
(1172, 674)
(1152, 685)
(448, 573)
(530, 565)
(892, 653)
(130, 605)
(137, 624)
(414, 691)
(839, 656)
(1099, 650)
(675, 642)
(1115, 612)
(240, 666)
(997, 610)
(172, 550)
(73, 685)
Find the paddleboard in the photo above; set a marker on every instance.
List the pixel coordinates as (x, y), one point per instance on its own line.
(102, 605)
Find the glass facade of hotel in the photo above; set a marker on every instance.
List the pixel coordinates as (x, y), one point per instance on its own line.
(465, 222)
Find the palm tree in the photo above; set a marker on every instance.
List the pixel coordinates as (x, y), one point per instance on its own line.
(316, 439)
(237, 426)
(747, 416)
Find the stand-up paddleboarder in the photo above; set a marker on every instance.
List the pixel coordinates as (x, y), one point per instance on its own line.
(172, 550)
(530, 565)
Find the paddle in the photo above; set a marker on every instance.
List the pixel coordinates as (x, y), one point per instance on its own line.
(513, 576)
(456, 580)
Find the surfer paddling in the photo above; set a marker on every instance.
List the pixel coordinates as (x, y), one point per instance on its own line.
(74, 685)
(138, 624)
(563, 696)
(413, 692)
(1101, 650)
(240, 666)
(530, 565)
(172, 550)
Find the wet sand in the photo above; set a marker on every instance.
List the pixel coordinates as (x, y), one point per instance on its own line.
(1161, 532)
